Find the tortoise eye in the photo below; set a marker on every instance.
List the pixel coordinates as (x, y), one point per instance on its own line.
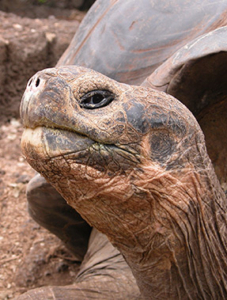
(96, 99)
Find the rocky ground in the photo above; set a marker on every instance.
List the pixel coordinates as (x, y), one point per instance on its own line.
(29, 255)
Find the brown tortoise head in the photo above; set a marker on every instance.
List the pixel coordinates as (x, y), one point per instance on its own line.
(108, 126)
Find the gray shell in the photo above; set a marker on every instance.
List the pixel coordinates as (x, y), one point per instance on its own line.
(128, 40)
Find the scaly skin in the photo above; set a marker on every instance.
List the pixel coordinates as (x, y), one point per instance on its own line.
(137, 170)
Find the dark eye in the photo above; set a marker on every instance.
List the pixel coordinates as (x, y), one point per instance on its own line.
(96, 99)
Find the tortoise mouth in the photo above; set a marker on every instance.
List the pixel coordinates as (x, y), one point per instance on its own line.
(50, 144)
(47, 143)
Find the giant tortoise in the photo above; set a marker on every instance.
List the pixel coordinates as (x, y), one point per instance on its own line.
(131, 161)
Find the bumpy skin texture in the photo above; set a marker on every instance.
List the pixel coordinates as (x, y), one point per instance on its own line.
(136, 169)
(196, 75)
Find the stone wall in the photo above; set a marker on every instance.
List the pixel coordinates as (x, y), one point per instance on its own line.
(43, 7)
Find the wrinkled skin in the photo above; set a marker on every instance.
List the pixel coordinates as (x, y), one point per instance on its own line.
(136, 168)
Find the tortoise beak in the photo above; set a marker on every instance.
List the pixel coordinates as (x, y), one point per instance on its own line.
(46, 100)
(33, 89)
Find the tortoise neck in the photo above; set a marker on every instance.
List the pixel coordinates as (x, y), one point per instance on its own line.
(179, 249)
(169, 224)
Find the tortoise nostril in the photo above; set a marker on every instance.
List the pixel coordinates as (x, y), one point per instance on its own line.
(30, 82)
(37, 82)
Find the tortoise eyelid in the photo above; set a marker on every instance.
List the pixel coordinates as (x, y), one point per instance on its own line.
(96, 99)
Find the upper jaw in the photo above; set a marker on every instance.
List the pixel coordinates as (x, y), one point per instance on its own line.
(45, 102)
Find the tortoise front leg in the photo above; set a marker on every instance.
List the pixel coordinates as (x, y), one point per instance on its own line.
(104, 275)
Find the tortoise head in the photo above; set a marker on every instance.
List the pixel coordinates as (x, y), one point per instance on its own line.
(85, 128)
(79, 114)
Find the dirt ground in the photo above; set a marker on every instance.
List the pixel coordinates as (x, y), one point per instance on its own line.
(29, 256)
(27, 46)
